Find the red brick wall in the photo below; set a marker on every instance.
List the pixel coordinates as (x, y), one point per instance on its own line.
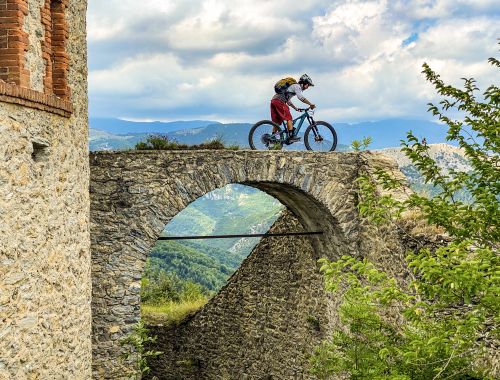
(47, 47)
(14, 43)
(59, 55)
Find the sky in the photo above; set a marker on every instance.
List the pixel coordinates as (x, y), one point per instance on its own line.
(219, 59)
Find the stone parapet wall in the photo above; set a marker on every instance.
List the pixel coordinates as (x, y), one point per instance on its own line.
(45, 316)
(264, 324)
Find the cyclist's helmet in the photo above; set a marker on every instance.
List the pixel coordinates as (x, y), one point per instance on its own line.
(305, 79)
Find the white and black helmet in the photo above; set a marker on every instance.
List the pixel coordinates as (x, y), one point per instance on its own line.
(305, 79)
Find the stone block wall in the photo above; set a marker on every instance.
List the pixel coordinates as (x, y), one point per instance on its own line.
(264, 324)
(45, 291)
(134, 194)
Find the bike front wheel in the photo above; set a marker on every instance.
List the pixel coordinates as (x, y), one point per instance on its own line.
(320, 137)
(261, 135)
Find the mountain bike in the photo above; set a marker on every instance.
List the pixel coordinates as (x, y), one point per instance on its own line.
(318, 136)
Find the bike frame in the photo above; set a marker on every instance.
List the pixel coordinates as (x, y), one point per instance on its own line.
(301, 120)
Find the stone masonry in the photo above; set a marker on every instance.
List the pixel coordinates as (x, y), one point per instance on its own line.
(134, 194)
(45, 285)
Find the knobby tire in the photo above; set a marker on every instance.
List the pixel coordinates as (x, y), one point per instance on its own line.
(267, 126)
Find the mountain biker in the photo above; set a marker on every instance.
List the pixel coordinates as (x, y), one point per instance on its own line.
(280, 103)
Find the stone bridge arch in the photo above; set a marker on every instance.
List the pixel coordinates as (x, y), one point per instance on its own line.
(135, 194)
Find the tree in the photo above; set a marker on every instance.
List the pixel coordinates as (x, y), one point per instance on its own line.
(444, 324)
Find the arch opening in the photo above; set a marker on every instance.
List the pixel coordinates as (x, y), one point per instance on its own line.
(180, 276)
(312, 215)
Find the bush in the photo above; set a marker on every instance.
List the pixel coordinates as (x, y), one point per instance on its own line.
(162, 142)
(159, 287)
(136, 352)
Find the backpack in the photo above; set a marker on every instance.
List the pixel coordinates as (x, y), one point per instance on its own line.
(282, 85)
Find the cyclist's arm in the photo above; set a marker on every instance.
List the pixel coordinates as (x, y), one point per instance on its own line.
(292, 105)
(313, 106)
(304, 100)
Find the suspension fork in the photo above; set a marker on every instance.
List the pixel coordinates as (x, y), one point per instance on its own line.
(313, 124)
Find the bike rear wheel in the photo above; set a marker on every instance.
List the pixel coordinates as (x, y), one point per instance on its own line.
(320, 137)
(260, 135)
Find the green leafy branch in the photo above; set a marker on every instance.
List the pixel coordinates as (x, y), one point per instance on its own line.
(444, 324)
(358, 145)
(135, 344)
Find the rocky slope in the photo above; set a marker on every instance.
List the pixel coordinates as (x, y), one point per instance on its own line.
(448, 157)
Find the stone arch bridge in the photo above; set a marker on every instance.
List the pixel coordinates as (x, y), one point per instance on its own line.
(135, 194)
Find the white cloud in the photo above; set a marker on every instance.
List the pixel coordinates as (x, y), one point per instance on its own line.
(358, 30)
(221, 58)
(463, 39)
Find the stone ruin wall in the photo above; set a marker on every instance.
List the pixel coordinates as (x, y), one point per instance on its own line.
(134, 194)
(45, 316)
(273, 312)
(264, 324)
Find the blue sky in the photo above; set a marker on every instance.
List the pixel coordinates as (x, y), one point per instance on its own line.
(219, 59)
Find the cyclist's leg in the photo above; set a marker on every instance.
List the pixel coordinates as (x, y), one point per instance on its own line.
(280, 112)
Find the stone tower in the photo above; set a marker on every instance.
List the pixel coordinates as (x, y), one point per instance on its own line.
(45, 317)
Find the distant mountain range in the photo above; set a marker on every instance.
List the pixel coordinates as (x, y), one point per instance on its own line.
(121, 127)
(114, 134)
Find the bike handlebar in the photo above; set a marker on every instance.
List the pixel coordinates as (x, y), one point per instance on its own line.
(307, 109)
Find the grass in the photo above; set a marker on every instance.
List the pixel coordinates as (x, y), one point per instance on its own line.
(171, 312)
